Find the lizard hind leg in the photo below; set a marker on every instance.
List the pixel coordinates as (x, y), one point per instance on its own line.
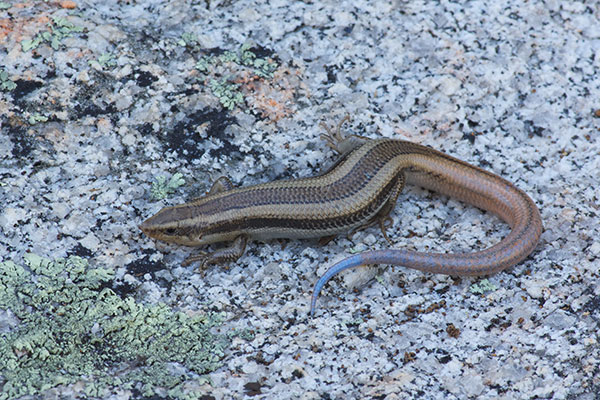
(383, 215)
(222, 184)
(338, 142)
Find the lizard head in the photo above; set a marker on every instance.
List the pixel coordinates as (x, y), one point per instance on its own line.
(174, 225)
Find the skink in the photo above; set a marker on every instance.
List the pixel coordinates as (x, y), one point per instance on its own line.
(359, 190)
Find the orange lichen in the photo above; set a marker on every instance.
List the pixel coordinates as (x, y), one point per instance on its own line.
(272, 98)
(68, 4)
(5, 28)
(16, 29)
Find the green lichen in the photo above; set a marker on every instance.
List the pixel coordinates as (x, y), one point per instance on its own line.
(6, 85)
(37, 117)
(67, 326)
(205, 63)
(229, 56)
(105, 60)
(227, 92)
(59, 29)
(262, 66)
(482, 287)
(161, 188)
(237, 63)
(188, 39)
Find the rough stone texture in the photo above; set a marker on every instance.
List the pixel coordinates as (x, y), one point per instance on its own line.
(510, 86)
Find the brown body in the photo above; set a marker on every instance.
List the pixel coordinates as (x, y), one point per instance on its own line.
(359, 190)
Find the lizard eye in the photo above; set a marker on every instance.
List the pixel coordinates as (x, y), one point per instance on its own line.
(170, 231)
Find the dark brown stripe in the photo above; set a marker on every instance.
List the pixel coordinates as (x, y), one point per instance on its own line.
(341, 222)
(347, 186)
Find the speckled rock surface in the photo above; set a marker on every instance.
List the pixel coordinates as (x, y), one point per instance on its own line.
(514, 87)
